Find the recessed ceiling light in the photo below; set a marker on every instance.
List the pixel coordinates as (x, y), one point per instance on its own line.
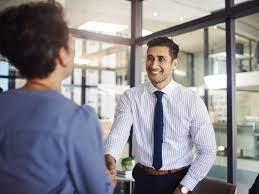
(103, 27)
(155, 14)
(215, 27)
(181, 18)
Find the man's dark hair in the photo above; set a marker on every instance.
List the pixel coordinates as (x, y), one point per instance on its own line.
(164, 41)
(31, 36)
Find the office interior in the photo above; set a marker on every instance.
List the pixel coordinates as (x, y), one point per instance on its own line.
(219, 59)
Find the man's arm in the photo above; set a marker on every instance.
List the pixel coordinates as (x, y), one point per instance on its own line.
(203, 137)
(118, 135)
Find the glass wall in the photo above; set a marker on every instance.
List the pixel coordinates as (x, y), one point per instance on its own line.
(99, 76)
(9, 77)
(158, 15)
(247, 95)
(206, 75)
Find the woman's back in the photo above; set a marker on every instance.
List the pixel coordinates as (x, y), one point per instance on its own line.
(48, 144)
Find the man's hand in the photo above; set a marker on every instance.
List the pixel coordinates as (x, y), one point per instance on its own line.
(111, 168)
(177, 191)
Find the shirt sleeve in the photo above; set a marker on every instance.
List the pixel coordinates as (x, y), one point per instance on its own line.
(120, 130)
(86, 154)
(203, 138)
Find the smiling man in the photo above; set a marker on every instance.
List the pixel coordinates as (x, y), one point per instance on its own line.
(168, 121)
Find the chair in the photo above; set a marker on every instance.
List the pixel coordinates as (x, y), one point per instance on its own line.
(214, 186)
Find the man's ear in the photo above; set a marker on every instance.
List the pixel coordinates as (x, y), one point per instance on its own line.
(174, 63)
(63, 57)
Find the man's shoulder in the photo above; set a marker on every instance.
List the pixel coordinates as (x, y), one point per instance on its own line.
(185, 89)
(136, 90)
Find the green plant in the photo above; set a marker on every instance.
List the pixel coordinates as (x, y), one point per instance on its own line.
(128, 163)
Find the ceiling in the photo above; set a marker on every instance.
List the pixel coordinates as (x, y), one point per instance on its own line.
(168, 13)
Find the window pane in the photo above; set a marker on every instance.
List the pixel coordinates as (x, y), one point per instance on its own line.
(4, 84)
(159, 15)
(216, 84)
(4, 67)
(94, 16)
(99, 77)
(247, 95)
(11, 83)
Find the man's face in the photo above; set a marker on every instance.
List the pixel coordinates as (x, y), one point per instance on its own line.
(159, 66)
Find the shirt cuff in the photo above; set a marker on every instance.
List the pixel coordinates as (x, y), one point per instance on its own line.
(189, 182)
(113, 154)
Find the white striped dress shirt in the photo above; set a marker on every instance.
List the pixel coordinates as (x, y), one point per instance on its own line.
(186, 125)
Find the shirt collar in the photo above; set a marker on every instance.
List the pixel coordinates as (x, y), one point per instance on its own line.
(167, 89)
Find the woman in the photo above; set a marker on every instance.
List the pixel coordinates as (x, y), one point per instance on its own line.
(48, 144)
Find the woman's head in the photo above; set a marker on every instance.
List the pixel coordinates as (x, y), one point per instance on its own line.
(31, 37)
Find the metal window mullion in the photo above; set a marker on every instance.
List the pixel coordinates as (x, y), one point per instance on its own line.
(206, 63)
(231, 95)
(135, 66)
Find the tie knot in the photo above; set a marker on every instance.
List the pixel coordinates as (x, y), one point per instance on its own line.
(159, 95)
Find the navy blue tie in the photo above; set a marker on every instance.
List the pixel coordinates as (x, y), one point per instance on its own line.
(158, 131)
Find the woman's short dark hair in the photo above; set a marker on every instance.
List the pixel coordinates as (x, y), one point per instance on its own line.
(164, 41)
(31, 36)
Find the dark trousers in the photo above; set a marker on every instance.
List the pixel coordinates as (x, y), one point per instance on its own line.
(151, 184)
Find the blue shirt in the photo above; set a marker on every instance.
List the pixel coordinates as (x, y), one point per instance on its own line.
(49, 145)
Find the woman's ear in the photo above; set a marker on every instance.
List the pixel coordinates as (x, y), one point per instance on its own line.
(63, 57)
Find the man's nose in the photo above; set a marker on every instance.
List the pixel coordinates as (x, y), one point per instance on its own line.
(154, 63)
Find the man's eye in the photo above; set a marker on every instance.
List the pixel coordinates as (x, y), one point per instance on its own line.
(150, 58)
(161, 59)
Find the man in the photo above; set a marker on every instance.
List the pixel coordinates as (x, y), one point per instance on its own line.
(168, 121)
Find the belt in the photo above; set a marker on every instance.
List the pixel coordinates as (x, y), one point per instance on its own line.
(155, 172)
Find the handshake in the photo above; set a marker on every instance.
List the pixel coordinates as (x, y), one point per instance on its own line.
(127, 163)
